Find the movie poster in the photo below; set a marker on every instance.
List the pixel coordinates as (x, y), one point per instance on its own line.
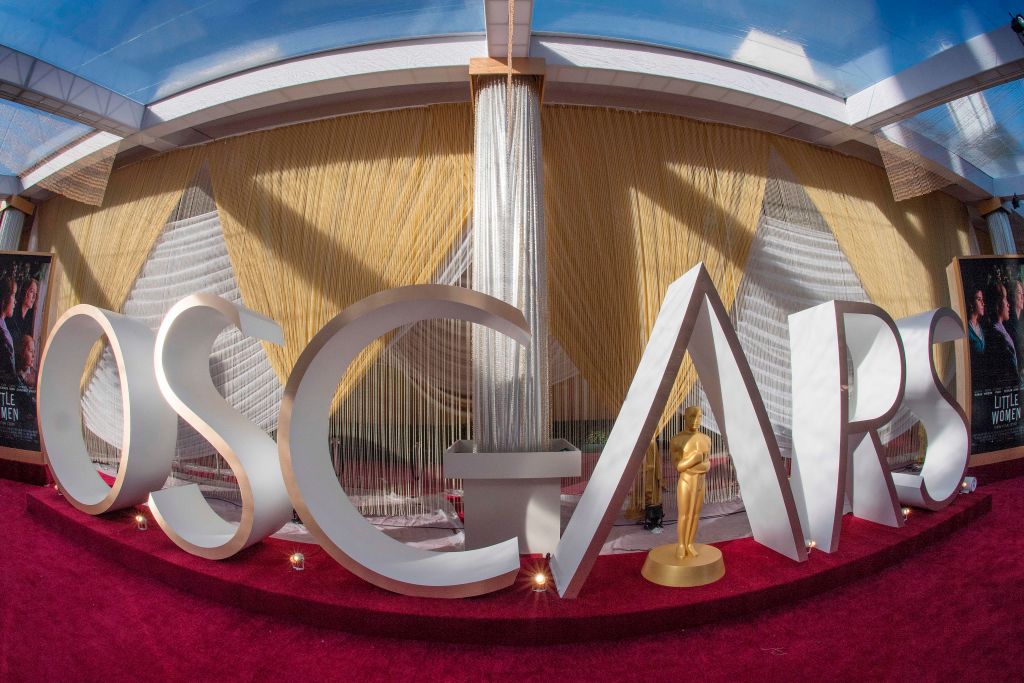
(24, 284)
(992, 307)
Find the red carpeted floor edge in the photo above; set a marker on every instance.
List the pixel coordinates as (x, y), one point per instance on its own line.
(954, 610)
(616, 600)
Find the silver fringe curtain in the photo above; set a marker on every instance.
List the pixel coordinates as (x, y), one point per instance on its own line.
(511, 410)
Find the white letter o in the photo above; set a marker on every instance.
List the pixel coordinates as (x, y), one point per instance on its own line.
(144, 466)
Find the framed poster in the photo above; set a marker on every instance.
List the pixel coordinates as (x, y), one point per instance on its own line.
(988, 293)
(25, 295)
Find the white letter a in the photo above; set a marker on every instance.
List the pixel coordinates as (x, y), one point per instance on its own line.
(693, 318)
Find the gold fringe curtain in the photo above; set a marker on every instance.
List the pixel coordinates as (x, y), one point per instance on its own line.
(84, 180)
(102, 249)
(319, 215)
(633, 201)
(908, 176)
(898, 250)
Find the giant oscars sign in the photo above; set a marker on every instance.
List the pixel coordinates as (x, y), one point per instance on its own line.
(838, 407)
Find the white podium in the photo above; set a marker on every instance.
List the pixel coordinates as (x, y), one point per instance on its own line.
(512, 494)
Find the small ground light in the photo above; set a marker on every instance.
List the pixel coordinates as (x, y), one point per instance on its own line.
(968, 485)
(906, 512)
(811, 545)
(540, 582)
(141, 523)
(298, 561)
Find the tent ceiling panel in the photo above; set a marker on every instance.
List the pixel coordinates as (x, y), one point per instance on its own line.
(984, 128)
(841, 48)
(167, 73)
(28, 135)
(149, 50)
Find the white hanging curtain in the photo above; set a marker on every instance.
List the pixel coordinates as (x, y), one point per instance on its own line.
(998, 223)
(10, 229)
(511, 409)
(795, 262)
(188, 257)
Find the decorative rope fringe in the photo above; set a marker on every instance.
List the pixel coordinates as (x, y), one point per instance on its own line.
(511, 403)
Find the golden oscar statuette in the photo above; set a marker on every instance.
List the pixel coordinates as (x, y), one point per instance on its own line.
(685, 563)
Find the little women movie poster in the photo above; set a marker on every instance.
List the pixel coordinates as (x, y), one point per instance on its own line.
(993, 314)
(24, 281)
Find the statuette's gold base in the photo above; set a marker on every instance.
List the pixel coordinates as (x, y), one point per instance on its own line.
(665, 569)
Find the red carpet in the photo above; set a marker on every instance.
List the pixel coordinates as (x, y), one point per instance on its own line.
(952, 610)
(616, 600)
